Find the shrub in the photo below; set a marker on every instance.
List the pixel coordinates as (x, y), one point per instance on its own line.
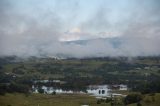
(133, 98)
(53, 93)
(139, 104)
(40, 90)
(98, 101)
(21, 88)
(2, 89)
(108, 100)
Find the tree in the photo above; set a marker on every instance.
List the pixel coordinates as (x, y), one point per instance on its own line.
(2, 89)
(133, 98)
(40, 90)
(54, 93)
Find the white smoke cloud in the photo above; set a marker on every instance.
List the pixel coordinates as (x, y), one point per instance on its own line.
(40, 30)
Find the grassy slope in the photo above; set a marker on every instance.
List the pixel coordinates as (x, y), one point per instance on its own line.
(47, 100)
(63, 100)
(149, 101)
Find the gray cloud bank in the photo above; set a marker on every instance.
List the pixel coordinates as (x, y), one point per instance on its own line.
(37, 33)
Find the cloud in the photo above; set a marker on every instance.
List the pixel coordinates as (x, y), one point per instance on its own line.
(73, 34)
(106, 29)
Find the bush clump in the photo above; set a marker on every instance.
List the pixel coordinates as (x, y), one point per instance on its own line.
(133, 98)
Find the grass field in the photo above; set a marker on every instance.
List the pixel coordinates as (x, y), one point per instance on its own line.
(17, 99)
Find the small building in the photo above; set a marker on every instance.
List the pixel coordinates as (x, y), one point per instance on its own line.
(115, 87)
(99, 90)
(119, 87)
(123, 87)
(50, 90)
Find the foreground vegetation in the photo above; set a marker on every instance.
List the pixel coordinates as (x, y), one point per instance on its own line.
(18, 99)
(149, 100)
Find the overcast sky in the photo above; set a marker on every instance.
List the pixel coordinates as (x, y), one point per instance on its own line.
(40, 27)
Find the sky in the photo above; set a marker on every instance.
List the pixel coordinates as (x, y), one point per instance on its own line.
(42, 28)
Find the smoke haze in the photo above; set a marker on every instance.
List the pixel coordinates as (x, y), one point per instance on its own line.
(103, 28)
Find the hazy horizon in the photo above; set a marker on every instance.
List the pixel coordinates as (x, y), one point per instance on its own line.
(107, 27)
